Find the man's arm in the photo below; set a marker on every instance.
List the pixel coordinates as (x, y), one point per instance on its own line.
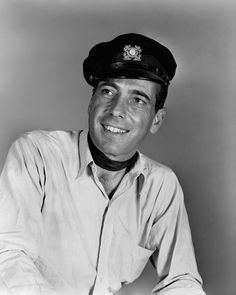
(174, 258)
(21, 198)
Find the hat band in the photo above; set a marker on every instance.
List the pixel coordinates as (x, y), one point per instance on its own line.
(134, 70)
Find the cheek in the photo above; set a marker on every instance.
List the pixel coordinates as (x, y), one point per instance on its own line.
(95, 115)
(143, 119)
(98, 105)
(93, 109)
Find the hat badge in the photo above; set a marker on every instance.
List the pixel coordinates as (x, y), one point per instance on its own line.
(132, 53)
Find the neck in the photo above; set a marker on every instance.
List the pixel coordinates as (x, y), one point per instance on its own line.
(104, 162)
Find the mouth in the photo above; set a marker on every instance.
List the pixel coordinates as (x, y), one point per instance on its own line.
(114, 130)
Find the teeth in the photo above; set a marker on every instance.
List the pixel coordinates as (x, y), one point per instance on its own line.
(114, 129)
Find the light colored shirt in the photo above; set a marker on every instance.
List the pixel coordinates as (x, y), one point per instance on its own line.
(61, 234)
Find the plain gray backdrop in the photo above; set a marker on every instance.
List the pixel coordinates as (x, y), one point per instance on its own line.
(42, 47)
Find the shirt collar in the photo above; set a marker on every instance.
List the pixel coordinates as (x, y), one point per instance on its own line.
(85, 159)
(139, 171)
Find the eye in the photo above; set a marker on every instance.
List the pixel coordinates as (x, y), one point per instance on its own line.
(139, 101)
(107, 92)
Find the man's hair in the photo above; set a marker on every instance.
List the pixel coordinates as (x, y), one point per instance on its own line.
(160, 97)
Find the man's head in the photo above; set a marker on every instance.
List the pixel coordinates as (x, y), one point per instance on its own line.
(131, 56)
(130, 75)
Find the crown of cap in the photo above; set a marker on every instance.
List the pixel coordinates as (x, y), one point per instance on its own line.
(130, 56)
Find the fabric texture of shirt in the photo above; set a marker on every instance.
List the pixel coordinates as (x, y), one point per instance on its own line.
(61, 234)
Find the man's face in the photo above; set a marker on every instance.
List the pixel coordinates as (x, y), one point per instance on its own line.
(121, 113)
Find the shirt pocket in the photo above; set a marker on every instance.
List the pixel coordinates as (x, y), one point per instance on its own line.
(140, 258)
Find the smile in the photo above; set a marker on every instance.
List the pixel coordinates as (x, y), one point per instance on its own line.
(114, 129)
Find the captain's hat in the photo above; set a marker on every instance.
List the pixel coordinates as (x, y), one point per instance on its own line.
(130, 56)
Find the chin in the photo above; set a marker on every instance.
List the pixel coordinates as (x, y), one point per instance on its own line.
(110, 152)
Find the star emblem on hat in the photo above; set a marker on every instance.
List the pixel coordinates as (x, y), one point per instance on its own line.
(132, 53)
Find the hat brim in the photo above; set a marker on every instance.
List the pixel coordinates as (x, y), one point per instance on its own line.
(130, 73)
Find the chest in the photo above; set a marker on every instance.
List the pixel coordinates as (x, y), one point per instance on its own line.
(110, 182)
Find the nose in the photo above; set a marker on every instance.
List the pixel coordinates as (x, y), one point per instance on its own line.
(118, 107)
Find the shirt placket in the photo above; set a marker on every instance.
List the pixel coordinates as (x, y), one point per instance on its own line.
(101, 286)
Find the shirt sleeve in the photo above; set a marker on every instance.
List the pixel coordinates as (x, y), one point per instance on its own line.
(174, 257)
(21, 199)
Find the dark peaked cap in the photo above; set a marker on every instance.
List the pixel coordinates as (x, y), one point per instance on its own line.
(129, 56)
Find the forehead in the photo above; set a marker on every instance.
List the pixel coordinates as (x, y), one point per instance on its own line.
(149, 87)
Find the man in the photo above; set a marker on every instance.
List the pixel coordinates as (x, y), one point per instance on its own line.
(82, 212)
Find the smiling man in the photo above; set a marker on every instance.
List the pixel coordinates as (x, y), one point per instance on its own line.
(121, 113)
(82, 212)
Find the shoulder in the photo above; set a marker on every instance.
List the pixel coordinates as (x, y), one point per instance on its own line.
(162, 186)
(160, 178)
(48, 144)
(154, 169)
(43, 138)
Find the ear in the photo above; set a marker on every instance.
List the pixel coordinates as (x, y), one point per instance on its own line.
(157, 120)
(89, 106)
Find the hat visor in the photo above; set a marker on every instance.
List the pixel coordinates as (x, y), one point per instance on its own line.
(131, 73)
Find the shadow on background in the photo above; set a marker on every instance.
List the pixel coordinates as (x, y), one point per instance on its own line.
(42, 87)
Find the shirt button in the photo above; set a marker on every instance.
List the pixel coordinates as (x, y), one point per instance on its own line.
(101, 279)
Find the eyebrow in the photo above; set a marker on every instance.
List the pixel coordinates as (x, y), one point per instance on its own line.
(134, 91)
(108, 83)
(141, 93)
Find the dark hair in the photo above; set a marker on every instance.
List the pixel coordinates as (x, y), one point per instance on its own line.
(161, 97)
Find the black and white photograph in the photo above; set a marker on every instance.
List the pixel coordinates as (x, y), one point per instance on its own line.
(117, 147)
